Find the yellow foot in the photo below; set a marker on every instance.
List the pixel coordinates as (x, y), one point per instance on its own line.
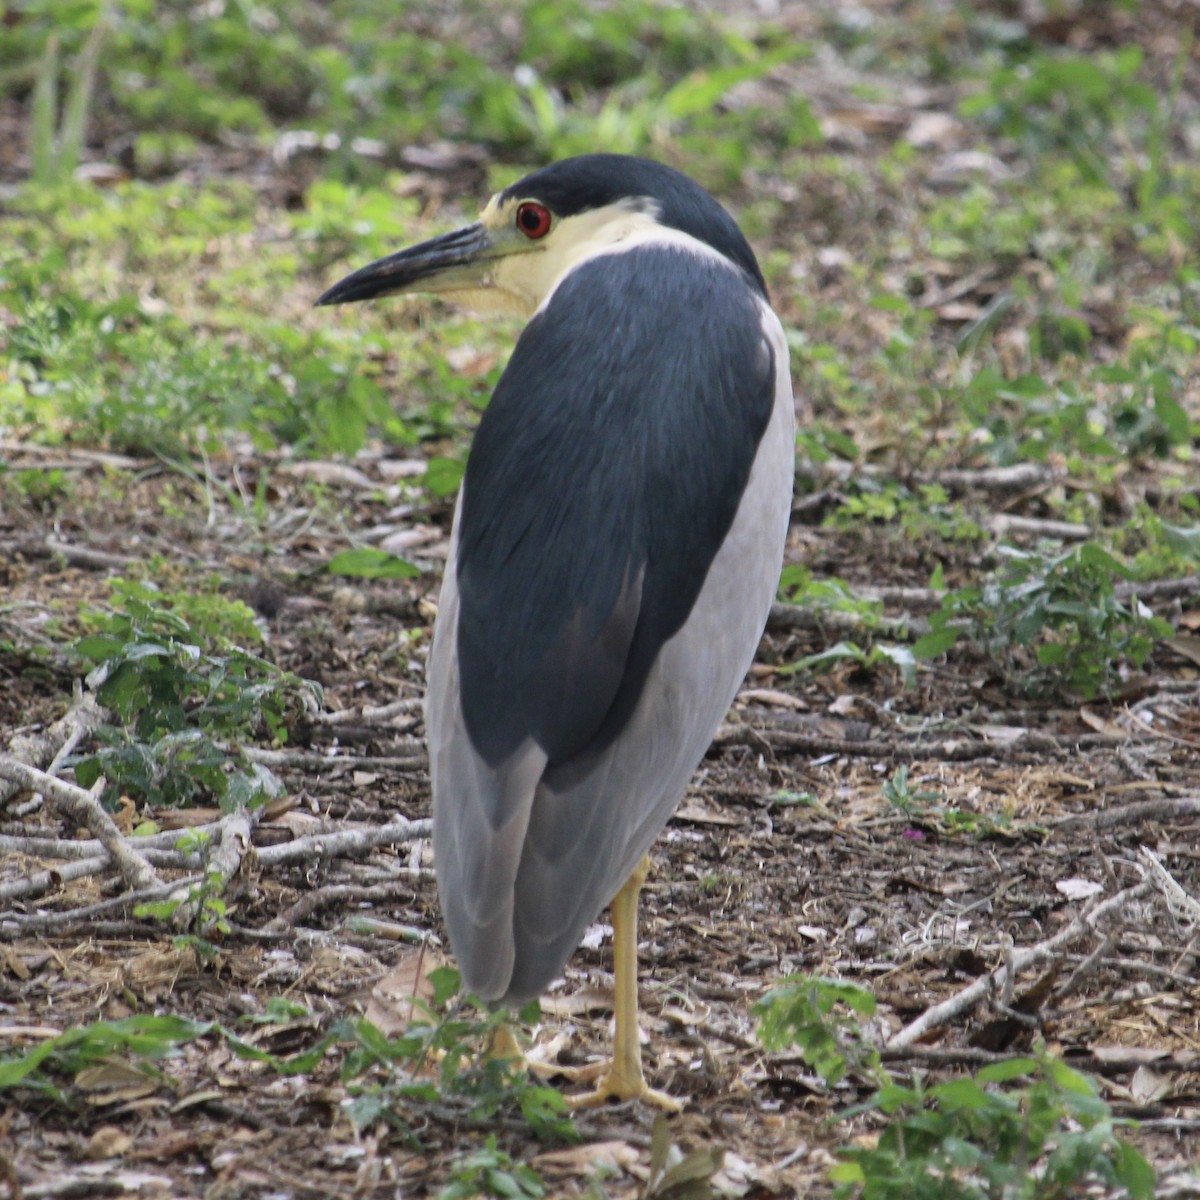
(618, 1086)
(504, 1045)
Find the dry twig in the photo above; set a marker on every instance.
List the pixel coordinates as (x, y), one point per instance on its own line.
(965, 1000)
(346, 842)
(83, 807)
(40, 750)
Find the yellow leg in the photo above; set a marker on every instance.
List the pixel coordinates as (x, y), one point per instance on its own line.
(503, 1044)
(624, 1079)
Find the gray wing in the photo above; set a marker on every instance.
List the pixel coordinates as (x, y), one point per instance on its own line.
(529, 851)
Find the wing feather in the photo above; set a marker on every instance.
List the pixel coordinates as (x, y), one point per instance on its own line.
(614, 556)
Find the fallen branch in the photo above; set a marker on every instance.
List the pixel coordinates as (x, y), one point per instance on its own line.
(335, 893)
(1004, 524)
(1130, 814)
(995, 981)
(40, 882)
(794, 616)
(81, 806)
(318, 761)
(371, 714)
(764, 735)
(70, 458)
(1183, 907)
(1021, 477)
(39, 922)
(81, 720)
(1109, 1063)
(351, 841)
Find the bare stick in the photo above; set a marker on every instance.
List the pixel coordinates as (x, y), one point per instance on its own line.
(1183, 907)
(1003, 524)
(310, 902)
(351, 841)
(372, 714)
(1131, 814)
(1021, 477)
(79, 721)
(969, 997)
(83, 807)
(71, 916)
(325, 762)
(235, 840)
(794, 616)
(41, 882)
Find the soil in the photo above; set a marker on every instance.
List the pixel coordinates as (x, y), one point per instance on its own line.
(789, 854)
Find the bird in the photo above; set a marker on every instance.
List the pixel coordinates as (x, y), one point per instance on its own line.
(615, 548)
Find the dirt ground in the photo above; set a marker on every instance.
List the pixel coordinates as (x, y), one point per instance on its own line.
(787, 854)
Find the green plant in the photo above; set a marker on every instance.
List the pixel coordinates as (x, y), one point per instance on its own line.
(443, 1056)
(921, 516)
(1066, 102)
(167, 666)
(922, 804)
(1059, 607)
(981, 1138)
(205, 899)
(900, 793)
(1025, 1129)
(144, 1037)
(367, 562)
(57, 141)
(489, 1171)
(820, 1018)
(880, 654)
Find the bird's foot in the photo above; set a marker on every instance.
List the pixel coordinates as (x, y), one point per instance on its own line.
(503, 1044)
(620, 1085)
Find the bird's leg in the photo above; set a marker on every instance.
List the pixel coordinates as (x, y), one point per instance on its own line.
(624, 1079)
(503, 1044)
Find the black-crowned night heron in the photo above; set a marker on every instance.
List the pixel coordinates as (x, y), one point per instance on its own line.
(615, 550)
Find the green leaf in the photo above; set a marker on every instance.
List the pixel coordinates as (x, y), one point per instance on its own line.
(847, 1173)
(367, 562)
(1134, 1172)
(1069, 1079)
(961, 1094)
(443, 476)
(936, 642)
(1092, 555)
(1002, 1072)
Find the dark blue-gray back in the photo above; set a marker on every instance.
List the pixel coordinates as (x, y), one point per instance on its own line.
(591, 515)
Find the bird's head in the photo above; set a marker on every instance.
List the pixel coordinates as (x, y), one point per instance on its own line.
(529, 235)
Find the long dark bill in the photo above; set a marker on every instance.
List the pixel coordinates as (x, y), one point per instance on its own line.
(440, 256)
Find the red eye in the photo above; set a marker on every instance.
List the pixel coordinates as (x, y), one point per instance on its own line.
(533, 220)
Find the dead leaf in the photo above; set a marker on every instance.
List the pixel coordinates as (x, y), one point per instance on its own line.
(114, 1082)
(772, 697)
(1186, 645)
(392, 1006)
(109, 1141)
(675, 1176)
(1144, 1054)
(401, 468)
(1148, 1086)
(698, 813)
(588, 1159)
(587, 1000)
(1101, 725)
(1003, 735)
(1078, 889)
(411, 539)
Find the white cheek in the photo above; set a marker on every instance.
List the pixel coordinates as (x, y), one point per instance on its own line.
(492, 300)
